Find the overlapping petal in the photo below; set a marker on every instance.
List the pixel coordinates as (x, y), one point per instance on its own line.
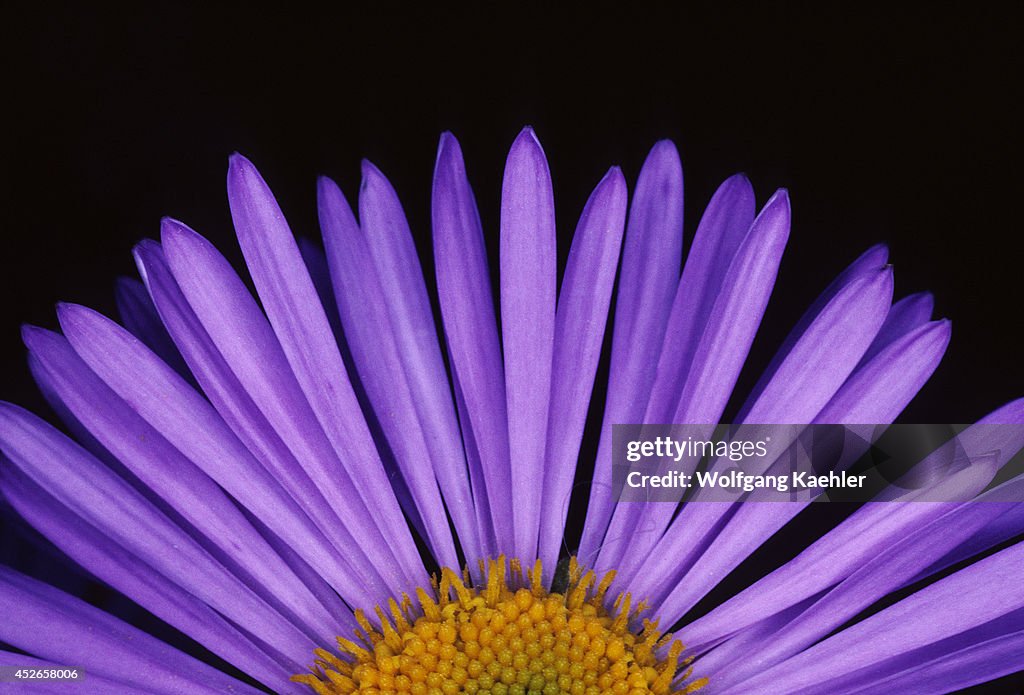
(255, 469)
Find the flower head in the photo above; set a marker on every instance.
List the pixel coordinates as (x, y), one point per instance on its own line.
(326, 491)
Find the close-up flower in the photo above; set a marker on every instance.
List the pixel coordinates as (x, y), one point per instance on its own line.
(327, 477)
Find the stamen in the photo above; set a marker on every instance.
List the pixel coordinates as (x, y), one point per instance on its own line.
(509, 636)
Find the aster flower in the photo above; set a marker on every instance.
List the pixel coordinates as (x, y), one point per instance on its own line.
(263, 476)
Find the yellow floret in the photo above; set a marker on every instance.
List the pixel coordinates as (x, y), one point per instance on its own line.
(507, 636)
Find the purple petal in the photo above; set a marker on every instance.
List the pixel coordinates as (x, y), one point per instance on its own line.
(91, 491)
(341, 214)
(376, 356)
(736, 315)
(300, 325)
(882, 386)
(892, 568)
(467, 311)
(579, 333)
(77, 430)
(870, 261)
(735, 318)
(126, 573)
(57, 627)
(1008, 525)
(840, 552)
(820, 360)
(183, 418)
(837, 327)
(651, 258)
(742, 647)
(905, 315)
(139, 316)
(528, 266)
(817, 364)
(726, 221)
(315, 259)
(876, 393)
(957, 603)
(951, 670)
(415, 329)
(165, 471)
(238, 329)
(721, 230)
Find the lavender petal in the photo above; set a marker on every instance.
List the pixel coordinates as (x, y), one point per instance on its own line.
(905, 315)
(58, 627)
(917, 621)
(90, 490)
(377, 357)
(183, 418)
(725, 223)
(651, 258)
(467, 312)
(892, 568)
(140, 317)
(529, 260)
(841, 551)
(579, 332)
(723, 348)
(299, 322)
(245, 339)
(165, 471)
(867, 263)
(126, 573)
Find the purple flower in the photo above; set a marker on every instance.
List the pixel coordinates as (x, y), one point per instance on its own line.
(258, 475)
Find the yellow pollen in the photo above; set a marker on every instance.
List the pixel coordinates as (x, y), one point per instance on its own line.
(507, 636)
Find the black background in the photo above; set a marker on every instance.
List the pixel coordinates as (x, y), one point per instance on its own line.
(898, 126)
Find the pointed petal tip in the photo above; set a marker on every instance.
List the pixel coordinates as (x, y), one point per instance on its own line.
(661, 174)
(238, 162)
(329, 193)
(145, 248)
(527, 138)
(614, 176)
(664, 151)
(32, 336)
(171, 226)
(239, 170)
(368, 169)
(245, 180)
(448, 144)
(174, 233)
(777, 208)
(324, 183)
(69, 314)
(372, 176)
(449, 155)
(145, 253)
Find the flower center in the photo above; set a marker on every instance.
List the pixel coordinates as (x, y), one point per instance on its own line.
(507, 636)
